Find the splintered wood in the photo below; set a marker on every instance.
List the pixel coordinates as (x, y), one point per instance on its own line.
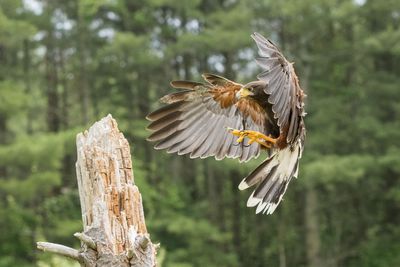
(111, 203)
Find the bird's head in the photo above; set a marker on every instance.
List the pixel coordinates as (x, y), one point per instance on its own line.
(252, 89)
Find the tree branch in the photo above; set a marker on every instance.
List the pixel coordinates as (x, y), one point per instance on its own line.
(86, 239)
(60, 250)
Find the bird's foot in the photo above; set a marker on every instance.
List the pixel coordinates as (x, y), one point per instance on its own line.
(254, 136)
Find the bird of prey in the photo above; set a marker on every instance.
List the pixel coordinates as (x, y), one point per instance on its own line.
(223, 118)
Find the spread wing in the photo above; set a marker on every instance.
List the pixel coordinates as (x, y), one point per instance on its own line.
(194, 120)
(283, 88)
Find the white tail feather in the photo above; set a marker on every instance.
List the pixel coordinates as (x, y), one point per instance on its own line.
(272, 179)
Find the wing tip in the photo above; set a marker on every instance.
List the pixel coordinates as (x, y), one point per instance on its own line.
(243, 185)
(175, 84)
(255, 34)
(181, 84)
(258, 38)
(205, 75)
(150, 117)
(253, 201)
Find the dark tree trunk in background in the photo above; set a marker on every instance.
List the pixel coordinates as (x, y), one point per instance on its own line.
(236, 177)
(3, 140)
(143, 94)
(82, 82)
(65, 94)
(312, 228)
(187, 171)
(3, 128)
(220, 205)
(282, 239)
(186, 66)
(228, 64)
(53, 117)
(28, 86)
(215, 198)
(211, 190)
(311, 219)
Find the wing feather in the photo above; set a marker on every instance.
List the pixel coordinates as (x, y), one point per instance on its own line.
(164, 111)
(194, 121)
(164, 132)
(282, 86)
(164, 121)
(208, 131)
(193, 138)
(268, 63)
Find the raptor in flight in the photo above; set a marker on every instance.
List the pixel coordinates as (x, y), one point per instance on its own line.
(223, 118)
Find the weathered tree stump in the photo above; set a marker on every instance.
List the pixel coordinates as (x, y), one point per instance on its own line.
(114, 229)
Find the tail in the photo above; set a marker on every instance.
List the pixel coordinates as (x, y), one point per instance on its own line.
(272, 178)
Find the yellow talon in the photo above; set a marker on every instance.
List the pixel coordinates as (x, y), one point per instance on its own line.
(234, 131)
(240, 139)
(254, 136)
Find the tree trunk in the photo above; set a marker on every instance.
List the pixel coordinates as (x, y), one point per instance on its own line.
(53, 118)
(28, 87)
(114, 229)
(82, 86)
(312, 228)
(236, 216)
(311, 208)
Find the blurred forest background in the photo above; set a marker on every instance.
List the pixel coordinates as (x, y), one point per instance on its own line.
(66, 64)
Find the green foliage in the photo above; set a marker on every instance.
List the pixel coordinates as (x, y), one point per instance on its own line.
(65, 64)
(333, 168)
(12, 97)
(55, 260)
(13, 31)
(16, 242)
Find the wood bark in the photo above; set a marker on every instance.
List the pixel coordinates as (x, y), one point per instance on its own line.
(114, 229)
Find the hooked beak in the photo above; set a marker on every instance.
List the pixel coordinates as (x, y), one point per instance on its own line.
(244, 92)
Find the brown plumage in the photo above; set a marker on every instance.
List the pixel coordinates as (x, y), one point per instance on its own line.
(199, 120)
